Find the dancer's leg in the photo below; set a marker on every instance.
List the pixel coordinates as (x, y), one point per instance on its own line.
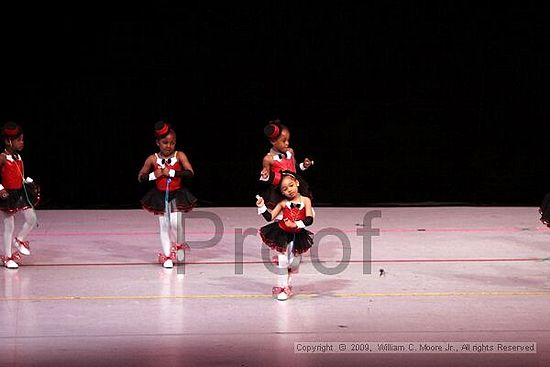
(9, 225)
(282, 291)
(282, 270)
(30, 222)
(174, 227)
(164, 229)
(176, 236)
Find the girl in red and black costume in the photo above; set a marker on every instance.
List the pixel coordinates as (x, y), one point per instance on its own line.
(288, 236)
(169, 169)
(17, 194)
(280, 158)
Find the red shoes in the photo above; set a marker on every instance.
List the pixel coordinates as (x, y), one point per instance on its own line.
(177, 253)
(180, 251)
(22, 246)
(9, 262)
(282, 294)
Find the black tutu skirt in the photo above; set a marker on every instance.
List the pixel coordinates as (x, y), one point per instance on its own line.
(545, 210)
(277, 239)
(24, 198)
(181, 200)
(272, 194)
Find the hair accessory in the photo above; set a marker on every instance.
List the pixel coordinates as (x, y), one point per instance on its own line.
(288, 173)
(11, 130)
(161, 129)
(275, 133)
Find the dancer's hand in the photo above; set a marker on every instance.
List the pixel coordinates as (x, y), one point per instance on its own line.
(264, 175)
(307, 163)
(158, 172)
(259, 201)
(4, 194)
(165, 171)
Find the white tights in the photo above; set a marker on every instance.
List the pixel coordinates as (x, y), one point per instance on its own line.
(168, 232)
(9, 226)
(283, 267)
(282, 270)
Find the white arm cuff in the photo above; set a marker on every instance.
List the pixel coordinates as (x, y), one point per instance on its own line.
(29, 180)
(302, 167)
(262, 209)
(172, 173)
(300, 224)
(264, 178)
(1, 187)
(152, 176)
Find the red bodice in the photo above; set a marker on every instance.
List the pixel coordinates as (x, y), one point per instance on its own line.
(282, 162)
(12, 173)
(170, 163)
(293, 214)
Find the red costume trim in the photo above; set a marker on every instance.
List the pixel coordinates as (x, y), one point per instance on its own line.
(163, 131)
(13, 132)
(275, 133)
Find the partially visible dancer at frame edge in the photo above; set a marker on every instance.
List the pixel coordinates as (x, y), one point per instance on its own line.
(18, 194)
(544, 210)
(170, 170)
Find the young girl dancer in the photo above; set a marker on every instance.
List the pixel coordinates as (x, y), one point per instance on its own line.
(17, 193)
(168, 168)
(288, 237)
(280, 158)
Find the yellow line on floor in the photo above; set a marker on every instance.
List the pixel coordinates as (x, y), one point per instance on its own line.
(303, 295)
(448, 294)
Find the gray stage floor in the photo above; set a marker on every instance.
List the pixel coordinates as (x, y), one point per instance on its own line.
(91, 293)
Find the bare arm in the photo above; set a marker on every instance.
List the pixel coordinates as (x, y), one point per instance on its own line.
(275, 212)
(182, 158)
(147, 168)
(266, 167)
(262, 210)
(303, 165)
(185, 172)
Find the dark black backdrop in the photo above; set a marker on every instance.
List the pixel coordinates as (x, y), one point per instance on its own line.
(397, 102)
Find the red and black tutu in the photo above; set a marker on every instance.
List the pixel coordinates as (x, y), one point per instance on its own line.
(26, 197)
(277, 239)
(180, 200)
